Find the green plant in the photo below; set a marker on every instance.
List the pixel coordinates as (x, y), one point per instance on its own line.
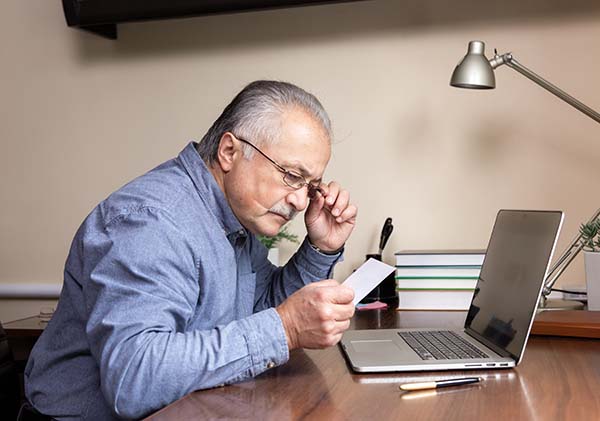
(590, 235)
(284, 234)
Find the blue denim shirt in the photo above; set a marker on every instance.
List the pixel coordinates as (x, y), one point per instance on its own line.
(164, 293)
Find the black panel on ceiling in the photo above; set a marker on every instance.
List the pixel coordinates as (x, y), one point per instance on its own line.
(102, 16)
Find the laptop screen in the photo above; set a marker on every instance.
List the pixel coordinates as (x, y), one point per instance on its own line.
(511, 278)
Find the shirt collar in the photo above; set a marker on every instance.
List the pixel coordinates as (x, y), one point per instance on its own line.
(209, 190)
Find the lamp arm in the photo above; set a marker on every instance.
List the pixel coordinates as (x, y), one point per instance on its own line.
(510, 61)
(564, 260)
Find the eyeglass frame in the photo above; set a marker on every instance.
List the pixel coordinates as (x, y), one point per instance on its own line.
(312, 188)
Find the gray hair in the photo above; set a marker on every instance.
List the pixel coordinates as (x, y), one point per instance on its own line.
(255, 115)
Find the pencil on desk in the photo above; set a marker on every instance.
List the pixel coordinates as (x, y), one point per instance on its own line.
(440, 383)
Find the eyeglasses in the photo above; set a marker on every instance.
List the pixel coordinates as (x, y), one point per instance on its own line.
(290, 178)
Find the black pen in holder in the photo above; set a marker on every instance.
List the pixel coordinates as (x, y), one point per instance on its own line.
(385, 291)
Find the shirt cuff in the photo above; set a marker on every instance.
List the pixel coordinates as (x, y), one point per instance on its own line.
(326, 253)
(267, 343)
(318, 264)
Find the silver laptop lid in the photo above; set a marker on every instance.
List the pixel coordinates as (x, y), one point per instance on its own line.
(511, 279)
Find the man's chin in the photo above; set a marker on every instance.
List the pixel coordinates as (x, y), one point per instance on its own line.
(272, 225)
(262, 229)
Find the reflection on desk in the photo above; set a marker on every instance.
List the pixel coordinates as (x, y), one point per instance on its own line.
(558, 379)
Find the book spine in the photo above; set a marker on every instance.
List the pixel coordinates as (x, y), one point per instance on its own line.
(439, 260)
(433, 282)
(436, 277)
(447, 278)
(435, 300)
(435, 289)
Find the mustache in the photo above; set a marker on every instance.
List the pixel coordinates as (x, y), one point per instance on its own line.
(287, 212)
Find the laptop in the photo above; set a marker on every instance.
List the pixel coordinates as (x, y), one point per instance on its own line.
(500, 315)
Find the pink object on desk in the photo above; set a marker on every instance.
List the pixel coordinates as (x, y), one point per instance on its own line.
(375, 305)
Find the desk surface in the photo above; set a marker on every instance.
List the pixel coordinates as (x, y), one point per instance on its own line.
(22, 336)
(559, 378)
(28, 327)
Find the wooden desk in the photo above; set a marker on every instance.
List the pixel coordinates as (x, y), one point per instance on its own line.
(559, 379)
(28, 327)
(22, 335)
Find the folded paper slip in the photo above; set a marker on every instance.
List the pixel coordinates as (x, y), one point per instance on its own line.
(366, 277)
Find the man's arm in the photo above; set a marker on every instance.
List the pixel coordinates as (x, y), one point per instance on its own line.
(142, 294)
(275, 284)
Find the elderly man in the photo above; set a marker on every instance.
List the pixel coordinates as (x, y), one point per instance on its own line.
(166, 288)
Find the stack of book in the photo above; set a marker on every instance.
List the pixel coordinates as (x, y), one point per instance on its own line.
(437, 279)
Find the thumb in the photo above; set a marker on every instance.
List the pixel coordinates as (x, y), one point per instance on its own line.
(325, 283)
(343, 295)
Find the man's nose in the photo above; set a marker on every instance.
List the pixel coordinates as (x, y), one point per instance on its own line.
(298, 199)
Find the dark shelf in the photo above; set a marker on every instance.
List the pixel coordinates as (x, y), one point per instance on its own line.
(102, 16)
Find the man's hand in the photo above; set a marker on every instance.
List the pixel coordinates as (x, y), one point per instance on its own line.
(317, 315)
(330, 217)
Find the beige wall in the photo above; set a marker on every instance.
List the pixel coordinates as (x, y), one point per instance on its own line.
(82, 115)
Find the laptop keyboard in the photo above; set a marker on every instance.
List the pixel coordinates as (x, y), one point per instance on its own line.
(440, 345)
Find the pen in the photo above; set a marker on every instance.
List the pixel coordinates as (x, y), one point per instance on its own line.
(440, 383)
(385, 234)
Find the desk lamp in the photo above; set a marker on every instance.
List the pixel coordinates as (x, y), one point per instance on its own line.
(475, 71)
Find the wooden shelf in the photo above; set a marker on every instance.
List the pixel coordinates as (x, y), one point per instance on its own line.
(577, 323)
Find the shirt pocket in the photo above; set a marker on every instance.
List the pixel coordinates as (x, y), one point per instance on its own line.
(247, 288)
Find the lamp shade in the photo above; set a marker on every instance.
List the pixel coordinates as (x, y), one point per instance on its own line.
(474, 71)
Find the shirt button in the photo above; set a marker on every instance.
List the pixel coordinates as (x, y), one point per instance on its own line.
(270, 364)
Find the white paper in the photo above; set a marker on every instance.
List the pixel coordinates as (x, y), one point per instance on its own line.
(367, 277)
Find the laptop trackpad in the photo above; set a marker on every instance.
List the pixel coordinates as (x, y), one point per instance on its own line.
(375, 347)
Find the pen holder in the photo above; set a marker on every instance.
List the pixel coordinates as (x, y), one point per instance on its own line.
(385, 291)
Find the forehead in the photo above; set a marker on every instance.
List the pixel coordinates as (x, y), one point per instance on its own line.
(303, 144)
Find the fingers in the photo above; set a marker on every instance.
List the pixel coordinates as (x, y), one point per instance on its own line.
(335, 300)
(340, 302)
(341, 203)
(331, 191)
(343, 312)
(332, 292)
(342, 326)
(348, 215)
(335, 327)
(331, 332)
(337, 201)
(316, 315)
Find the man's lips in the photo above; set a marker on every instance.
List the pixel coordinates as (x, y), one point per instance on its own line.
(280, 215)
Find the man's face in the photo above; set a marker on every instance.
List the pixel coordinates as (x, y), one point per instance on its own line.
(254, 187)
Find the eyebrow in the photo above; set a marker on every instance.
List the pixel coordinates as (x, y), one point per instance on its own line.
(298, 166)
(301, 169)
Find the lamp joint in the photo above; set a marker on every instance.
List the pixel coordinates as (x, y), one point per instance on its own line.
(498, 60)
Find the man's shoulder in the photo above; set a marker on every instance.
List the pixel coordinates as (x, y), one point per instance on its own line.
(166, 188)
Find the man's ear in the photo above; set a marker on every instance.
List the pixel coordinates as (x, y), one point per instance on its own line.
(227, 153)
